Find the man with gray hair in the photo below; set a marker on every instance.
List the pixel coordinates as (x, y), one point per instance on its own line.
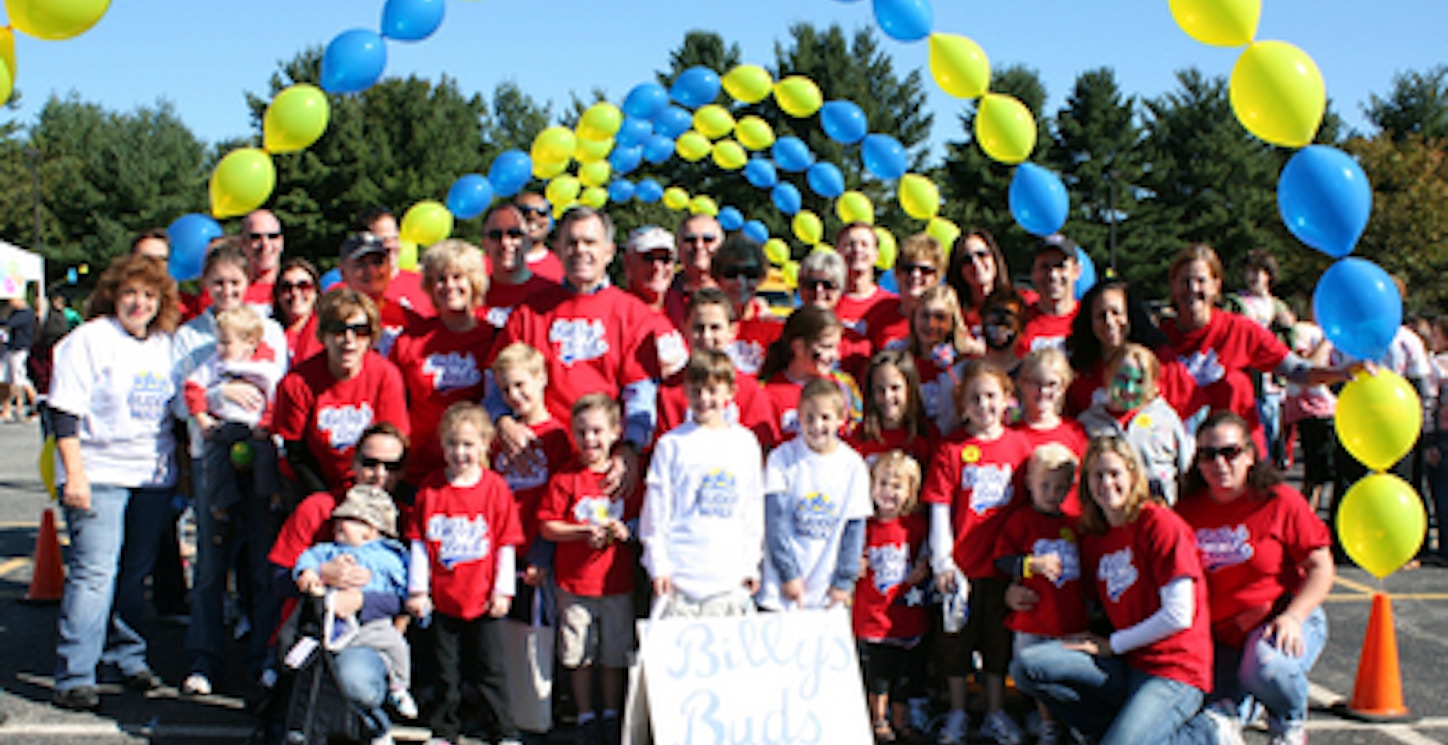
(822, 284)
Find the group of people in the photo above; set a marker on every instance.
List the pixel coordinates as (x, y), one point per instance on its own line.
(1061, 489)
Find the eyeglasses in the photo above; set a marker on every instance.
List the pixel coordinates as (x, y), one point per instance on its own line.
(657, 257)
(977, 255)
(1230, 452)
(753, 273)
(496, 234)
(928, 270)
(363, 329)
(699, 237)
(818, 284)
(276, 236)
(527, 210)
(390, 465)
(303, 285)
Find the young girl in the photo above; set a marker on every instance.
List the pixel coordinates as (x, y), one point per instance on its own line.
(464, 537)
(1002, 318)
(894, 414)
(816, 499)
(1043, 378)
(938, 340)
(1136, 412)
(889, 614)
(807, 349)
(971, 485)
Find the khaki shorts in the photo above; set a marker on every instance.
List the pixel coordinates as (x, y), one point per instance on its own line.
(595, 630)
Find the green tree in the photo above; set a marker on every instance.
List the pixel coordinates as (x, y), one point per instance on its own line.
(514, 119)
(1408, 231)
(1417, 104)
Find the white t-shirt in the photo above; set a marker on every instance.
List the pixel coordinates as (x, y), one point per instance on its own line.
(195, 343)
(121, 388)
(702, 523)
(823, 493)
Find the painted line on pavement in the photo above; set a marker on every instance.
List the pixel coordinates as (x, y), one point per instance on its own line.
(1358, 586)
(1405, 596)
(11, 565)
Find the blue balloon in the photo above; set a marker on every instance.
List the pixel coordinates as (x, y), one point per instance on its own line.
(760, 172)
(469, 196)
(621, 190)
(510, 172)
(354, 60)
(331, 278)
(189, 236)
(649, 191)
(645, 100)
(659, 149)
(1087, 280)
(695, 87)
(672, 122)
(1359, 308)
(635, 131)
(730, 218)
(1325, 199)
(625, 159)
(1038, 199)
(826, 180)
(905, 20)
(755, 231)
(786, 198)
(844, 121)
(792, 154)
(884, 156)
(411, 20)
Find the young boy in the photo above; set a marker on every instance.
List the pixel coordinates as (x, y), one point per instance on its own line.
(364, 526)
(817, 498)
(702, 524)
(593, 565)
(464, 537)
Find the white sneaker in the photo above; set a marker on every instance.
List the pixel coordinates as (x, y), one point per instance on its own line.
(1050, 733)
(1294, 735)
(403, 703)
(1226, 730)
(957, 724)
(999, 726)
(385, 739)
(196, 684)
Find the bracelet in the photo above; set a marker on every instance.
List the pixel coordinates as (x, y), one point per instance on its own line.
(1026, 566)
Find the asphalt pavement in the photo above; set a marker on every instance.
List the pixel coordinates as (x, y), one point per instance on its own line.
(27, 643)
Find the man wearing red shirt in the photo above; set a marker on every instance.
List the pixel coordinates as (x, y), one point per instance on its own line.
(366, 268)
(405, 287)
(263, 240)
(863, 302)
(699, 238)
(648, 269)
(538, 222)
(1054, 271)
(511, 281)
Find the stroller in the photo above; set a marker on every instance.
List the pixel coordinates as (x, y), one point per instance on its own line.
(306, 707)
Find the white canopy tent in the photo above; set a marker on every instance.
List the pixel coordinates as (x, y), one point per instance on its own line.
(18, 266)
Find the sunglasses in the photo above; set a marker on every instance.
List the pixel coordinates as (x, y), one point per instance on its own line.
(699, 237)
(496, 234)
(657, 257)
(1230, 452)
(357, 329)
(271, 236)
(742, 272)
(977, 255)
(390, 465)
(305, 285)
(818, 284)
(928, 270)
(530, 210)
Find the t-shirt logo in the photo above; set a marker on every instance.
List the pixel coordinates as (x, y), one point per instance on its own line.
(148, 397)
(718, 494)
(1070, 558)
(343, 425)
(515, 473)
(789, 422)
(386, 339)
(1224, 547)
(858, 326)
(1204, 367)
(459, 539)
(935, 395)
(578, 339)
(747, 356)
(498, 316)
(1117, 571)
(673, 352)
(889, 563)
(598, 510)
(990, 486)
(814, 515)
(452, 371)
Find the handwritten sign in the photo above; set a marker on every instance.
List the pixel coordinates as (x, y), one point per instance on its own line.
(769, 678)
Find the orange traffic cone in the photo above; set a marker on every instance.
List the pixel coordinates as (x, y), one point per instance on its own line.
(47, 581)
(1377, 696)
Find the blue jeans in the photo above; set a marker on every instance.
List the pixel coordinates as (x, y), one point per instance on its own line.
(362, 677)
(1269, 410)
(1106, 698)
(112, 548)
(1259, 672)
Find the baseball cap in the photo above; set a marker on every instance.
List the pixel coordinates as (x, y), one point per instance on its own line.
(370, 505)
(1056, 242)
(358, 245)
(650, 238)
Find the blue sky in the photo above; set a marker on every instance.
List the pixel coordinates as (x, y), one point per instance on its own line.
(201, 55)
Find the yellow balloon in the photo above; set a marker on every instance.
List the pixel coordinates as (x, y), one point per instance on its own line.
(562, 190)
(959, 66)
(595, 173)
(54, 20)
(589, 151)
(1381, 523)
(547, 169)
(852, 206)
(242, 181)
(1378, 419)
(554, 144)
(754, 133)
(713, 121)
(407, 256)
(1005, 128)
(790, 274)
(676, 198)
(600, 122)
(808, 227)
(798, 96)
(748, 83)
(703, 205)
(7, 81)
(594, 196)
(942, 230)
(888, 247)
(918, 196)
(296, 118)
(777, 251)
(692, 146)
(1277, 93)
(7, 49)
(730, 155)
(47, 465)
(426, 223)
(1220, 23)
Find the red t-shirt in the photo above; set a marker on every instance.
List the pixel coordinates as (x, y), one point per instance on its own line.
(502, 299)
(405, 289)
(394, 318)
(302, 342)
(979, 479)
(1128, 566)
(855, 353)
(553, 449)
(1071, 434)
(889, 328)
(576, 496)
(783, 395)
(439, 368)
(1251, 549)
(1218, 355)
(464, 527)
(922, 448)
(1061, 609)
(885, 606)
(1176, 385)
(329, 415)
(752, 408)
(547, 265)
(668, 353)
(749, 347)
(1045, 331)
(304, 528)
(856, 313)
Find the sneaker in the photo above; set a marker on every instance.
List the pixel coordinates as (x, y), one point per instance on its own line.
(920, 715)
(143, 681)
(80, 698)
(385, 739)
(1294, 735)
(999, 726)
(1050, 733)
(1226, 730)
(402, 702)
(438, 741)
(954, 729)
(196, 684)
(884, 733)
